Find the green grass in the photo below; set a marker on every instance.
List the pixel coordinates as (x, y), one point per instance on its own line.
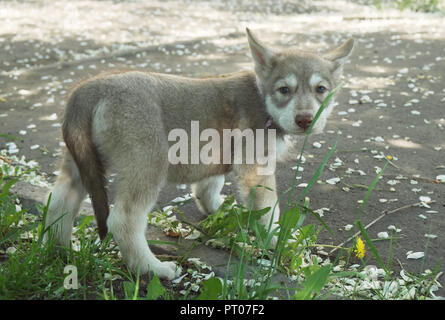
(36, 271)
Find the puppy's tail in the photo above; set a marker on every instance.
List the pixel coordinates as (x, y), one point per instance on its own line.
(77, 134)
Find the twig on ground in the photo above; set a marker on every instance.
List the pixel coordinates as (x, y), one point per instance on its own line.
(384, 213)
(360, 186)
(424, 179)
(6, 159)
(368, 18)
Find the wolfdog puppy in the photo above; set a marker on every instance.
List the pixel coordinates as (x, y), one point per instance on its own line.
(121, 123)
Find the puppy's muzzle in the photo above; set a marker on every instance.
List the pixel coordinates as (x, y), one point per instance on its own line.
(304, 120)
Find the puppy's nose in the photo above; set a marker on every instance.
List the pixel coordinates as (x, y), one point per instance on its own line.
(304, 120)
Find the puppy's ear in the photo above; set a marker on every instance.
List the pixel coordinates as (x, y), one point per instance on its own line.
(339, 55)
(263, 57)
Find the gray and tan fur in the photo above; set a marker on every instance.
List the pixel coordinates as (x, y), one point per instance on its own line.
(120, 122)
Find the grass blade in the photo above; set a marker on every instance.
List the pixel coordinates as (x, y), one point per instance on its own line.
(319, 170)
(160, 242)
(370, 189)
(313, 284)
(317, 216)
(9, 137)
(317, 115)
(360, 225)
(371, 245)
(322, 107)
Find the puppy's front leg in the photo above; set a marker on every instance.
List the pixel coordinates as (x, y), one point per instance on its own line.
(262, 190)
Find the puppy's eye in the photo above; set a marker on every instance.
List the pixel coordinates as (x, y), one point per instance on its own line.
(284, 90)
(321, 89)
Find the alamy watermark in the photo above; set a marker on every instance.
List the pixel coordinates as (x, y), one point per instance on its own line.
(71, 280)
(209, 147)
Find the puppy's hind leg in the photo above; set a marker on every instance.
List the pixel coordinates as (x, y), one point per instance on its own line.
(207, 193)
(136, 193)
(66, 197)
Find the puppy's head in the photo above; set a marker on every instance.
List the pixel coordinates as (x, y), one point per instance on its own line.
(295, 83)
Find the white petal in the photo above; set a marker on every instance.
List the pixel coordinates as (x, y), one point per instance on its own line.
(379, 139)
(415, 255)
(178, 280)
(24, 92)
(383, 235)
(333, 180)
(11, 250)
(316, 145)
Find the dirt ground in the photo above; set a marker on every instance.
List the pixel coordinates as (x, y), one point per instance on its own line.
(392, 103)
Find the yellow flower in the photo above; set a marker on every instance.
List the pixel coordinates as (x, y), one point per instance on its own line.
(360, 248)
(389, 157)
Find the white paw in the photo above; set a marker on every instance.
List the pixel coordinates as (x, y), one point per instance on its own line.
(167, 270)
